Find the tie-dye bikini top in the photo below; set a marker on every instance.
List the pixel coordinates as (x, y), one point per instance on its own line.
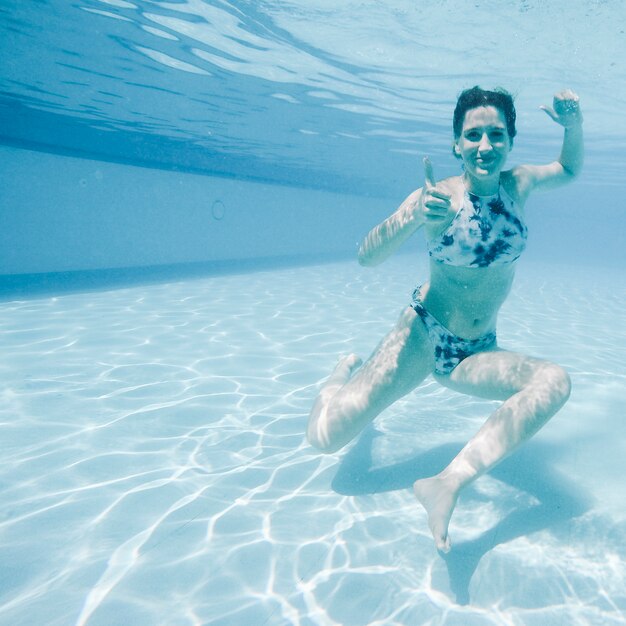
(487, 230)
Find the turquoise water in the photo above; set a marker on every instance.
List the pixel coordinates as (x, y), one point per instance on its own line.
(154, 469)
(155, 472)
(332, 95)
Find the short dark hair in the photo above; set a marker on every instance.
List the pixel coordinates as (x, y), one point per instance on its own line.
(477, 97)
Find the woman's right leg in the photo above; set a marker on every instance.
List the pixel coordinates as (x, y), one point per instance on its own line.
(351, 397)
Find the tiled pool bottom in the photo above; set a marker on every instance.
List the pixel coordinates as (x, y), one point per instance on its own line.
(154, 470)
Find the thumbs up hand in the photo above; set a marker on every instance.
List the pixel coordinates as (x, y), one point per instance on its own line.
(434, 203)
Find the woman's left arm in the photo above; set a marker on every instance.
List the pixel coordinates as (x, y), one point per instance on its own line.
(566, 112)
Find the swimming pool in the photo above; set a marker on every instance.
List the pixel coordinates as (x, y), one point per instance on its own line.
(154, 469)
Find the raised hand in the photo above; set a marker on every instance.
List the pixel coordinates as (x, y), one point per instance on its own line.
(565, 109)
(434, 202)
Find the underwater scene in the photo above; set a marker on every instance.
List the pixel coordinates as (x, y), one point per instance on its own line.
(155, 465)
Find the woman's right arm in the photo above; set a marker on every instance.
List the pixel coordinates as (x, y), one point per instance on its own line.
(383, 240)
(429, 204)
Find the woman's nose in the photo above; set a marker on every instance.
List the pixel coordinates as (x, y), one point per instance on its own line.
(484, 144)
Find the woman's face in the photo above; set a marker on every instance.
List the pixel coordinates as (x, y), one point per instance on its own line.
(484, 144)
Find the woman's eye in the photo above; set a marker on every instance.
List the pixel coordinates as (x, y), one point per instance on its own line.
(473, 136)
(497, 135)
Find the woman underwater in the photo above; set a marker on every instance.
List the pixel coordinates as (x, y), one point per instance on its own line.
(474, 225)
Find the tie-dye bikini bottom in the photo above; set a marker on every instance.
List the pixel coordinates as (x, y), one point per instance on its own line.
(449, 349)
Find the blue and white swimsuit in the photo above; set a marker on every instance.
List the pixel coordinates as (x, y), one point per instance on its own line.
(487, 230)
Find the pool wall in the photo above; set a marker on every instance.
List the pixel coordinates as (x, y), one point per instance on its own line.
(66, 220)
(65, 214)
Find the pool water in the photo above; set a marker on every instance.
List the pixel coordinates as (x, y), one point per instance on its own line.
(154, 468)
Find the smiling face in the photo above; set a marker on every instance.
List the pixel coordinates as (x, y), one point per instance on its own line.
(484, 145)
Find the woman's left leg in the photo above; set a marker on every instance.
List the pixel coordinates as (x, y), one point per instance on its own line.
(533, 390)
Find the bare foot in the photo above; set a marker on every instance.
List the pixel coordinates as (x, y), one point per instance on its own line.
(344, 368)
(439, 500)
(340, 376)
(317, 429)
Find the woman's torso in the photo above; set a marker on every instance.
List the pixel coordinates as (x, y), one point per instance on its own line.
(467, 289)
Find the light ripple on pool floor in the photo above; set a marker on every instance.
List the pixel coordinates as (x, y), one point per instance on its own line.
(154, 469)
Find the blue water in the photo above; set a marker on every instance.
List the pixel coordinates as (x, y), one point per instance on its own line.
(154, 470)
(302, 93)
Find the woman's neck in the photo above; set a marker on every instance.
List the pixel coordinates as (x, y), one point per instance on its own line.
(482, 187)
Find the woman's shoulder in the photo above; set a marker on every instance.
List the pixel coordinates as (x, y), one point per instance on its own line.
(454, 186)
(514, 184)
(452, 182)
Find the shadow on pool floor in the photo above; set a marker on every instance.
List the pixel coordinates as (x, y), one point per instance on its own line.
(527, 470)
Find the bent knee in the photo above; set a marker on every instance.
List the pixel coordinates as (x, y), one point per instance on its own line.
(557, 381)
(325, 447)
(318, 434)
(321, 441)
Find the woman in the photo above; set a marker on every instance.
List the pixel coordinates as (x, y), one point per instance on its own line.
(475, 229)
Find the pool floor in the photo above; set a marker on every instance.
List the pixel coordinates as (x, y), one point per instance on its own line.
(154, 469)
